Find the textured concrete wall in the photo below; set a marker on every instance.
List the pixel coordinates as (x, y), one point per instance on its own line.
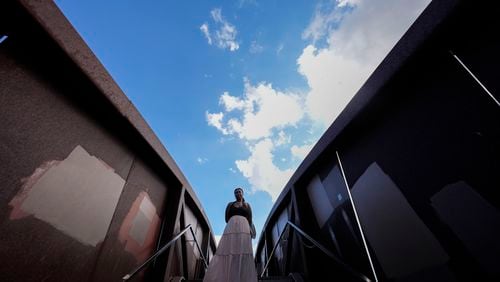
(61, 173)
(85, 192)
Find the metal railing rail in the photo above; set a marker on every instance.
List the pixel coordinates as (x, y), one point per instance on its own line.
(163, 249)
(319, 246)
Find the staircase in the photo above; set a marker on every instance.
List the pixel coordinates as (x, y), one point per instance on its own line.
(293, 277)
(277, 279)
(266, 279)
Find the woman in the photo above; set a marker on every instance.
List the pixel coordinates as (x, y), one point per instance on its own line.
(233, 260)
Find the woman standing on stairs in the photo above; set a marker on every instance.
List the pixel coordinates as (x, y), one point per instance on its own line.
(233, 260)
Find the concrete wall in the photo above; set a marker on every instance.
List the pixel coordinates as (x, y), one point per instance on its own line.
(87, 192)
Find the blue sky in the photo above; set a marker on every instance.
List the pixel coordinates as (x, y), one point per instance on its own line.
(239, 91)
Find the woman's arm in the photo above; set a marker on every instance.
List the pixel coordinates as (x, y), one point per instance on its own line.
(252, 227)
(249, 213)
(227, 212)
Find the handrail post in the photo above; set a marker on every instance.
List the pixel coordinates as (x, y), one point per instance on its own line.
(318, 245)
(164, 248)
(199, 248)
(357, 217)
(274, 248)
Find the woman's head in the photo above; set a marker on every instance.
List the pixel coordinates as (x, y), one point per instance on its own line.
(238, 194)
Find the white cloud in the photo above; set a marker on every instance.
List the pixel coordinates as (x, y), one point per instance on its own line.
(260, 170)
(260, 118)
(217, 15)
(206, 32)
(201, 160)
(344, 3)
(215, 121)
(262, 109)
(356, 43)
(255, 48)
(321, 24)
(230, 102)
(333, 80)
(224, 34)
(356, 35)
(282, 139)
(280, 48)
(301, 152)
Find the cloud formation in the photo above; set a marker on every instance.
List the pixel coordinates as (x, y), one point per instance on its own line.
(261, 109)
(301, 152)
(357, 39)
(280, 48)
(215, 120)
(225, 33)
(282, 138)
(348, 39)
(259, 118)
(325, 16)
(206, 32)
(256, 47)
(201, 160)
(260, 170)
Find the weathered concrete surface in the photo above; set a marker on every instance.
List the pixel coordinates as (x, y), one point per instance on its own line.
(78, 162)
(77, 196)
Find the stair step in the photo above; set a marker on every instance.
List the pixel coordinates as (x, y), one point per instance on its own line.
(276, 279)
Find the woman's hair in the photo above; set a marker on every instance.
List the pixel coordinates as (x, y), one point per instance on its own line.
(239, 188)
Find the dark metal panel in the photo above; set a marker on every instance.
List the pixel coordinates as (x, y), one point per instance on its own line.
(431, 19)
(419, 143)
(436, 142)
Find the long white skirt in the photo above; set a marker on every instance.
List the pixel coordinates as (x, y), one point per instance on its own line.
(233, 260)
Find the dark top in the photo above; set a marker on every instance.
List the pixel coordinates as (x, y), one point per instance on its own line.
(244, 210)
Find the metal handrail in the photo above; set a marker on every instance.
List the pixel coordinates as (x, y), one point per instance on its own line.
(319, 246)
(163, 249)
